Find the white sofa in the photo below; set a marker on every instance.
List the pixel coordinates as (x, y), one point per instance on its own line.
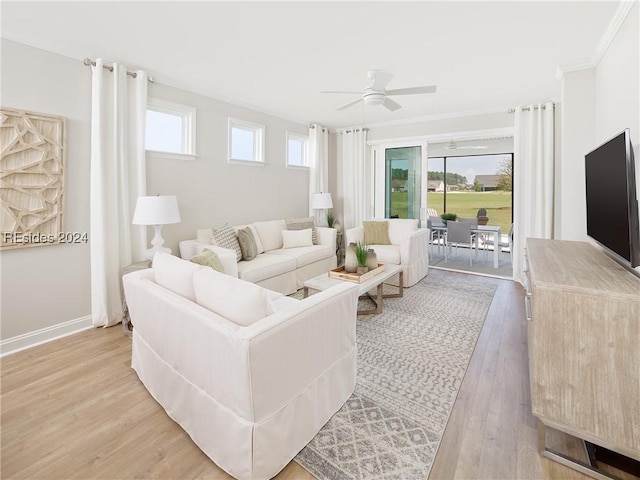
(251, 397)
(281, 269)
(409, 247)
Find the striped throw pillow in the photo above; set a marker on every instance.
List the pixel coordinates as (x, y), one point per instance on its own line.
(208, 258)
(226, 238)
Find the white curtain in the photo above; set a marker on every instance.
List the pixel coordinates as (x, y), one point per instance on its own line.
(532, 178)
(318, 162)
(356, 178)
(118, 111)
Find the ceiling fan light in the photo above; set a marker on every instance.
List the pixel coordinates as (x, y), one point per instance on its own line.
(374, 98)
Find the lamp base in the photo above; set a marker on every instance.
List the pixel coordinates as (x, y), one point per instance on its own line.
(157, 243)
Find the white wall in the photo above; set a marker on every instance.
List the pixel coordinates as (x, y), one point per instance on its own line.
(597, 104)
(578, 137)
(44, 287)
(48, 285)
(211, 191)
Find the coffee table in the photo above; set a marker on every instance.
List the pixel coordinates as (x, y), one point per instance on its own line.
(323, 282)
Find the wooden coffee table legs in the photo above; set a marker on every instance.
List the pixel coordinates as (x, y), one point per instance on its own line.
(377, 300)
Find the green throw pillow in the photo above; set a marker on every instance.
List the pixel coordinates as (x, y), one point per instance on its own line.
(247, 244)
(208, 258)
(376, 233)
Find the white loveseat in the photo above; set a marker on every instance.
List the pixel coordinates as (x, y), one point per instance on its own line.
(250, 396)
(409, 247)
(276, 268)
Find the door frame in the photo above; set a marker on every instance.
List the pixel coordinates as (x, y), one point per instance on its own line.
(379, 173)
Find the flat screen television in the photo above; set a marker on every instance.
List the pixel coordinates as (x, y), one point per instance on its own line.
(612, 204)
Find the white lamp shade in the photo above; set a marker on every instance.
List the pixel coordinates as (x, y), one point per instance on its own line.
(156, 210)
(321, 200)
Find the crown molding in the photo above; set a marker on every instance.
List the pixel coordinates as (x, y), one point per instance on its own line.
(624, 7)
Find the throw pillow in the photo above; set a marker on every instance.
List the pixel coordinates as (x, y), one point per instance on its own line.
(247, 244)
(240, 302)
(208, 258)
(225, 237)
(376, 233)
(296, 238)
(175, 274)
(303, 224)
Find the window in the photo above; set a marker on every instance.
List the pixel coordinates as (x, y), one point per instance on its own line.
(171, 128)
(297, 150)
(246, 141)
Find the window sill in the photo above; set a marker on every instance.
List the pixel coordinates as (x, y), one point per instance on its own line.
(298, 167)
(249, 163)
(154, 154)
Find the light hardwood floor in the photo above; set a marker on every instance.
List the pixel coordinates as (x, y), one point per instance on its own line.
(74, 408)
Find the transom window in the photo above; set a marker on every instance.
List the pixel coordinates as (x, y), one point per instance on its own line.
(297, 150)
(171, 128)
(246, 141)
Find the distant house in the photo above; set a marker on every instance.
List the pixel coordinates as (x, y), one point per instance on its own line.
(398, 185)
(488, 183)
(435, 186)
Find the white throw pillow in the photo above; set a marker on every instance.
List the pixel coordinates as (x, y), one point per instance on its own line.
(175, 274)
(236, 300)
(269, 233)
(297, 238)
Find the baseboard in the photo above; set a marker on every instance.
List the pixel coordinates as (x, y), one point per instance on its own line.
(44, 335)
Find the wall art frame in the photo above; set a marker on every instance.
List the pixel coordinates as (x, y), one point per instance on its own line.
(32, 179)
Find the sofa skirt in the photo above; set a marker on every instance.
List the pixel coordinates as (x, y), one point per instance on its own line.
(241, 447)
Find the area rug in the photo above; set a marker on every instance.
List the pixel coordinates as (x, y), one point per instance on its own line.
(411, 362)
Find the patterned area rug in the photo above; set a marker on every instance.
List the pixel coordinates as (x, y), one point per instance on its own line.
(411, 361)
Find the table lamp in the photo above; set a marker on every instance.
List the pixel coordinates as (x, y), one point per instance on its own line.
(321, 202)
(156, 211)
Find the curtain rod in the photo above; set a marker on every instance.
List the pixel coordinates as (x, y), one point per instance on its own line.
(90, 63)
(526, 109)
(364, 129)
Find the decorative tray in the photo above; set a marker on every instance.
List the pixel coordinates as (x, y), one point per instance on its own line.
(340, 274)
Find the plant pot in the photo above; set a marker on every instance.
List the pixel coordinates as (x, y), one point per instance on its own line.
(362, 270)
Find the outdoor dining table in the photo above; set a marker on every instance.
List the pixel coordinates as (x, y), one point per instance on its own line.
(480, 229)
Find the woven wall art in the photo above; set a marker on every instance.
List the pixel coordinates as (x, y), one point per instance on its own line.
(32, 164)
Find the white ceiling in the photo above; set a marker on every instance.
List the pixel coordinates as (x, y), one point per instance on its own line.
(277, 56)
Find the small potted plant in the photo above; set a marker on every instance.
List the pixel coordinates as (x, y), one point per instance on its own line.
(330, 218)
(361, 255)
(448, 216)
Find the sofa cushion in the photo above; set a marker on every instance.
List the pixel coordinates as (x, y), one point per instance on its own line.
(296, 238)
(175, 274)
(306, 255)
(270, 233)
(401, 228)
(376, 232)
(208, 258)
(238, 301)
(303, 224)
(225, 237)
(387, 253)
(265, 266)
(247, 244)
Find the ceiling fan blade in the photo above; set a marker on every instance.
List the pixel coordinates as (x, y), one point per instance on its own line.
(340, 91)
(391, 105)
(412, 90)
(379, 79)
(349, 104)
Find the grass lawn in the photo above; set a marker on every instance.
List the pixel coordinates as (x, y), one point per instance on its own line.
(463, 204)
(467, 204)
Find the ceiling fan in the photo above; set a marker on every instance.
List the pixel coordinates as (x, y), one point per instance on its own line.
(375, 93)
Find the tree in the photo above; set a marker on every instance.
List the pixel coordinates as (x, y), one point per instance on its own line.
(476, 186)
(505, 182)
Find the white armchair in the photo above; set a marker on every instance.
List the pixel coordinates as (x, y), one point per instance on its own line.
(409, 247)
